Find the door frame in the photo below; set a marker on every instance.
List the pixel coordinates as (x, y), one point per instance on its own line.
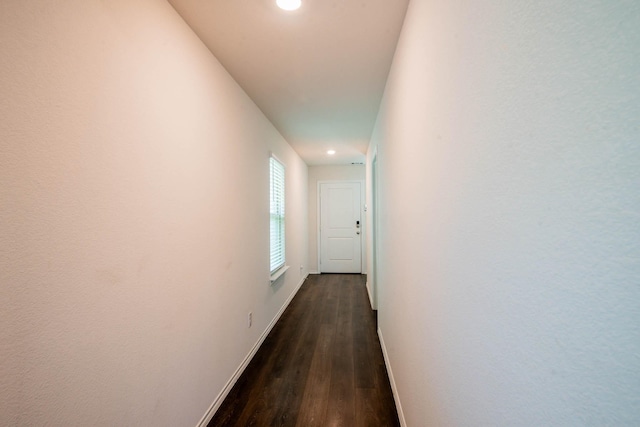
(374, 230)
(363, 262)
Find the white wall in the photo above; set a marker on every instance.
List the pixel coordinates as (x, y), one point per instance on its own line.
(328, 173)
(509, 156)
(133, 217)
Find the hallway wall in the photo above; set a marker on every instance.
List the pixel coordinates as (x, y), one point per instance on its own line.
(509, 161)
(133, 217)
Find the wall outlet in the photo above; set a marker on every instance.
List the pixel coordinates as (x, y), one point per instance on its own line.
(250, 319)
(301, 268)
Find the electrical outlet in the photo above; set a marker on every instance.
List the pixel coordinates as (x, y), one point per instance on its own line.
(250, 319)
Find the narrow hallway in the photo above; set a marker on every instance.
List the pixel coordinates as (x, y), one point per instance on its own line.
(321, 364)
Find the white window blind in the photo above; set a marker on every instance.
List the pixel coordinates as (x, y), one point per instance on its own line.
(277, 214)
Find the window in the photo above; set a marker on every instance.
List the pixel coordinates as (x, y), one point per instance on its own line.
(276, 180)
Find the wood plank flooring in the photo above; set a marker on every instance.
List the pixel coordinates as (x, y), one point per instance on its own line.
(321, 365)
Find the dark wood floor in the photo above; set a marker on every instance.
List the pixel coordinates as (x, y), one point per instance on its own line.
(321, 365)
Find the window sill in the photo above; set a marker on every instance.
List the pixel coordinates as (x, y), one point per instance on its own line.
(275, 276)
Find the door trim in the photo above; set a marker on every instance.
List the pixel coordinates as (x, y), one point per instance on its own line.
(374, 230)
(363, 220)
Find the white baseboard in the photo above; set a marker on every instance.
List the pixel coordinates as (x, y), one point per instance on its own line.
(227, 388)
(394, 389)
(314, 272)
(370, 297)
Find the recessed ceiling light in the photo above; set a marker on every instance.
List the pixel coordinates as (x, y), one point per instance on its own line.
(289, 4)
(331, 152)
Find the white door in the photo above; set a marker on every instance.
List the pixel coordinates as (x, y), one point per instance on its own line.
(340, 227)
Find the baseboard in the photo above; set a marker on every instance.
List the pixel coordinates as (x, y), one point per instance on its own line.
(314, 272)
(370, 297)
(232, 381)
(394, 389)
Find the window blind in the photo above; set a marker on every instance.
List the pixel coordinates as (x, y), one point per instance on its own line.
(277, 226)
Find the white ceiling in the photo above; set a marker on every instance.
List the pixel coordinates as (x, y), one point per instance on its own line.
(317, 73)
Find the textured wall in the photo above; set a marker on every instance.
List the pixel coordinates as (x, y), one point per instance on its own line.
(133, 217)
(509, 155)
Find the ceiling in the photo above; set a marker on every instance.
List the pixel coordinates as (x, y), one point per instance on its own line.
(317, 73)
